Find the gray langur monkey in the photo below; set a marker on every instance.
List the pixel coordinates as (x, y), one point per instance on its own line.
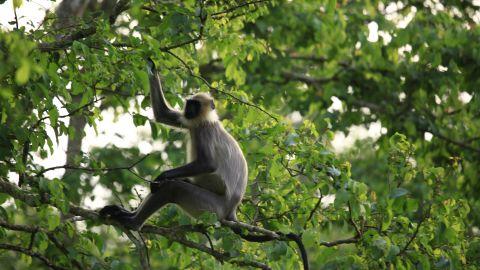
(215, 176)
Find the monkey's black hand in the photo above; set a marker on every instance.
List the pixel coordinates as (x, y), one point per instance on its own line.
(158, 181)
(114, 211)
(155, 186)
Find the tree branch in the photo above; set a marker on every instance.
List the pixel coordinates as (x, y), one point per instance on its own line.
(32, 254)
(417, 229)
(68, 40)
(170, 233)
(228, 10)
(34, 230)
(173, 235)
(352, 240)
(69, 167)
(312, 212)
(267, 235)
(32, 128)
(141, 248)
(357, 230)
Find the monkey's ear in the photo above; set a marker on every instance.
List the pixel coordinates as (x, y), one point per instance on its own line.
(212, 104)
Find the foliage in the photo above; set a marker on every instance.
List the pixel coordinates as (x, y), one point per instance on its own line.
(397, 202)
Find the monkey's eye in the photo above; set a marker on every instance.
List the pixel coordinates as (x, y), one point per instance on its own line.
(212, 104)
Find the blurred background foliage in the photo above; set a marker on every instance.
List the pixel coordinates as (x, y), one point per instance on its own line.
(406, 198)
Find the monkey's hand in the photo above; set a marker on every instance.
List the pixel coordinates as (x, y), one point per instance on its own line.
(154, 186)
(114, 211)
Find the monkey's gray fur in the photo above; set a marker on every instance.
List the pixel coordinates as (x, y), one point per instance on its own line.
(215, 176)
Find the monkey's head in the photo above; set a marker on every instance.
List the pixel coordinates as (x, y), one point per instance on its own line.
(200, 107)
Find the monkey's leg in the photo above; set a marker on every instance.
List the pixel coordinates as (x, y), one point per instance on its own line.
(193, 199)
(155, 185)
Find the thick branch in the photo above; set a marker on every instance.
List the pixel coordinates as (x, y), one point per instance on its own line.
(67, 40)
(32, 254)
(33, 230)
(240, 225)
(455, 142)
(171, 234)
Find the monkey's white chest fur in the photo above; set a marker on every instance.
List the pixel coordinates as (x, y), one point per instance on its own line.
(230, 177)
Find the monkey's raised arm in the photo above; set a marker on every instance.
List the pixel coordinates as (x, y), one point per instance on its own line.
(161, 110)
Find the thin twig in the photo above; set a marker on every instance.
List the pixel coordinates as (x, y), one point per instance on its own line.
(359, 233)
(32, 239)
(16, 17)
(203, 20)
(32, 128)
(267, 235)
(417, 229)
(228, 10)
(209, 240)
(141, 250)
(69, 167)
(314, 209)
(340, 242)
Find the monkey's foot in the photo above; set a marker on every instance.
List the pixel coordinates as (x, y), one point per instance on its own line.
(129, 223)
(114, 211)
(122, 216)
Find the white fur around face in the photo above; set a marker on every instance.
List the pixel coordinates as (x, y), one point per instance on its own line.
(210, 117)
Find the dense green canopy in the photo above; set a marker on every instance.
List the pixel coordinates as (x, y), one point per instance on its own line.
(406, 199)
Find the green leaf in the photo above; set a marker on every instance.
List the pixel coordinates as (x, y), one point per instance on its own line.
(341, 197)
(279, 250)
(331, 5)
(387, 217)
(139, 120)
(53, 114)
(142, 77)
(154, 130)
(16, 3)
(23, 73)
(53, 221)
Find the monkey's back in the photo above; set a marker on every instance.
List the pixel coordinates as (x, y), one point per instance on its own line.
(230, 176)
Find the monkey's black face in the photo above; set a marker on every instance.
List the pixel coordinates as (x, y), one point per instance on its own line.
(192, 108)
